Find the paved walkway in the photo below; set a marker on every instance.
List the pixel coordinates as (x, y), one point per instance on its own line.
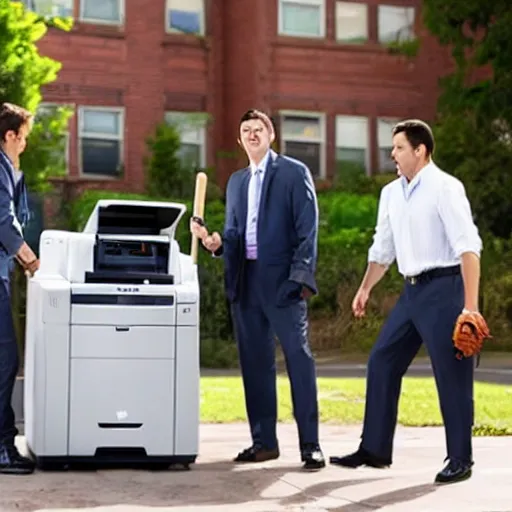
(216, 485)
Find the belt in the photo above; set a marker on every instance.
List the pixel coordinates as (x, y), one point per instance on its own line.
(433, 273)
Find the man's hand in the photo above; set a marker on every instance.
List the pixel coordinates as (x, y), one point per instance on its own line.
(211, 242)
(198, 230)
(359, 302)
(27, 259)
(306, 293)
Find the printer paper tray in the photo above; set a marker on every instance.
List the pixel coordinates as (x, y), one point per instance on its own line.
(102, 314)
(122, 342)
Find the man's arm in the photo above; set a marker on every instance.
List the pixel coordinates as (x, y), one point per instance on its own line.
(462, 233)
(11, 237)
(10, 230)
(374, 273)
(305, 219)
(382, 251)
(380, 255)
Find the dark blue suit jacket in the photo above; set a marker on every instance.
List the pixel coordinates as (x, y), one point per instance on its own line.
(13, 206)
(287, 230)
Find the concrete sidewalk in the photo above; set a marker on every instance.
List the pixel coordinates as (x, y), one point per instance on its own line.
(217, 485)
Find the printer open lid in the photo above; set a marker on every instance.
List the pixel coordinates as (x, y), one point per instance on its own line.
(128, 217)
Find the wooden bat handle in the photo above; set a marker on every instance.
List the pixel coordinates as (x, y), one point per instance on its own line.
(199, 201)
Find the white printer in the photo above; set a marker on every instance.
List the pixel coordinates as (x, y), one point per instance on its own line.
(112, 342)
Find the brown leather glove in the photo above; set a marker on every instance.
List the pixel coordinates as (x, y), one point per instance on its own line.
(469, 334)
(27, 259)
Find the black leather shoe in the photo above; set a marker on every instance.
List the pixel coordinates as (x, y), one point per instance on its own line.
(312, 457)
(257, 454)
(454, 471)
(360, 458)
(12, 463)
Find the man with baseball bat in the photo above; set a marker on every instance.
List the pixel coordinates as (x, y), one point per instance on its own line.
(269, 247)
(15, 125)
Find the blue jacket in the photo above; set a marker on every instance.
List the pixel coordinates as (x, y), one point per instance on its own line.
(14, 213)
(287, 230)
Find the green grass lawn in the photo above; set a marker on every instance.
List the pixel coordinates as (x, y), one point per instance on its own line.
(342, 402)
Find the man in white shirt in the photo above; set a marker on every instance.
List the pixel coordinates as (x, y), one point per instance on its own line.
(425, 223)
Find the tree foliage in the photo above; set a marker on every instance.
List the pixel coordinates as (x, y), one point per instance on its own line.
(23, 72)
(474, 124)
(170, 168)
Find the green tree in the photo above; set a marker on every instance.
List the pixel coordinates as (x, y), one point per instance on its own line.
(166, 175)
(473, 128)
(23, 73)
(171, 166)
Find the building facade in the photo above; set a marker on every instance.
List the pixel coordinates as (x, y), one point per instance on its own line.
(321, 68)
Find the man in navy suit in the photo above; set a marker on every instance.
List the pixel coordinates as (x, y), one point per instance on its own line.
(15, 125)
(269, 247)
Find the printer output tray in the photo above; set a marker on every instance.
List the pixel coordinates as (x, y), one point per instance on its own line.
(112, 276)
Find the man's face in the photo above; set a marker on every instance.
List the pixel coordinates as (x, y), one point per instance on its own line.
(16, 143)
(255, 137)
(406, 157)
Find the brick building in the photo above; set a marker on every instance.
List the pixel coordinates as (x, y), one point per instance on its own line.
(320, 67)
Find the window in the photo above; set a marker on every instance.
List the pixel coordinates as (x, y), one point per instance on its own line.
(101, 141)
(352, 145)
(385, 141)
(396, 24)
(192, 129)
(185, 16)
(61, 8)
(102, 11)
(303, 138)
(351, 22)
(303, 18)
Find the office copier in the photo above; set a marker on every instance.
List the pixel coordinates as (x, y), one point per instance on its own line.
(112, 342)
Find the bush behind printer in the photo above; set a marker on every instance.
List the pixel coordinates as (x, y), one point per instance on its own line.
(15, 126)
(269, 247)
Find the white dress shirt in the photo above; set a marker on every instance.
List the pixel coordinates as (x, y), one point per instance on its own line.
(424, 224)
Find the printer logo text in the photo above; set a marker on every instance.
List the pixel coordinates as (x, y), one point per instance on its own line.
(123, 289)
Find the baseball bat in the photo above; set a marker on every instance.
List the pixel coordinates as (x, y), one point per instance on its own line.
(199, 200)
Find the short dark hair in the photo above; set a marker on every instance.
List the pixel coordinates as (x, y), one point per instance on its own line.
(417, 132)
(12, 118)
(258, 114)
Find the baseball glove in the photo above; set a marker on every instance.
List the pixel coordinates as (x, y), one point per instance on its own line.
(469, 334)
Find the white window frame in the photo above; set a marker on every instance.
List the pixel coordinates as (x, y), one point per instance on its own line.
(319, 3)
(201, 129)
(337, 9)
(51, 104)
(29, 4)
(339, 118)
(120, 137)
(202, 18)
(321, 117)
(96, 21)
(394, 6)
(391, 120)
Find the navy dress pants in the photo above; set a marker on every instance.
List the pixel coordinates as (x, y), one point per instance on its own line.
(425, 312)
(257, 317)
(8, 365)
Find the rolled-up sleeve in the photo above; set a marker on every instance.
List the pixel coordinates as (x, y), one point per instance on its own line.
(455, 212)
(382, 250)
